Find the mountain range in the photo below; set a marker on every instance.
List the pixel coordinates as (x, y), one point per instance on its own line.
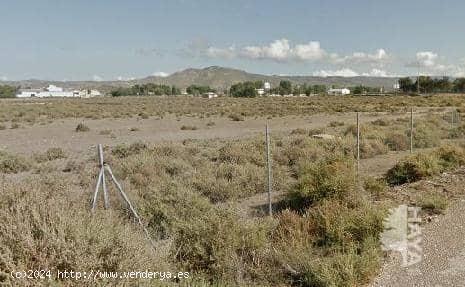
(217, 77)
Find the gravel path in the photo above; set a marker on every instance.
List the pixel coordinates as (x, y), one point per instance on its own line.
(443, 261)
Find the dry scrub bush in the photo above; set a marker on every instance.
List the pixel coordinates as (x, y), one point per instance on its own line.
(377, 187)
(419, 166)
(46, 225)
(13, 163)
(372, 147)
(329, 177)
(81, 127)
(50, 154)
(333, 239)
(188, 128)
(433, 203)
(219, 171)
(397, 141)
(426, 135)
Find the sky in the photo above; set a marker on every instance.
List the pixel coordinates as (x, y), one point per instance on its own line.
(120, 40)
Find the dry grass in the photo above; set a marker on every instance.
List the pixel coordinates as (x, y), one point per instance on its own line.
(32, 110)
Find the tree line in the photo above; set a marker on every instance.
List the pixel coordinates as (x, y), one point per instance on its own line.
(146, 90)
(159, 90)
(249, 89)
(7, 91)
(426, 84)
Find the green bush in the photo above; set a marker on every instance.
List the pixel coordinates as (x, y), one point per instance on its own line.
(413, 169)
(425, 136)
(331, 177)
(419, 166)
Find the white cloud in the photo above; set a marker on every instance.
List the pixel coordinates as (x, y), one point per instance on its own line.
(227, 53)
(97, 78)
(346, 72)
(337, 73)
(282, 50)
(3, 78)
(377, 73)
(310, 51)
(160, 74)
(426, 59)
(278, 50)
(429, 64)
(379, 57)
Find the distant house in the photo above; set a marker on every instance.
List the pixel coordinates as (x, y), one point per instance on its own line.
(267, 86)
(260, 92)
(54, 91)
(210, 95)
(335, 92)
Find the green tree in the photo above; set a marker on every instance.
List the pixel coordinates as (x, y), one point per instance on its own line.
(8, 91)
(198, 90)
(285, 87)
(459, 85)
(406, 85)
(244, 90)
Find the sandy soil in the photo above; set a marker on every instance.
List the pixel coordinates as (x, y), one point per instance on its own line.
(61, 133)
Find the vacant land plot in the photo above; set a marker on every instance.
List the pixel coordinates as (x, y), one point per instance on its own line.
(45, 110)
(195, 170)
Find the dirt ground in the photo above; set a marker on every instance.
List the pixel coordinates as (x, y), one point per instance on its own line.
(61, 133)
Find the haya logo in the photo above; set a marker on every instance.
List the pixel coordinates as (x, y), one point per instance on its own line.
(402, 233)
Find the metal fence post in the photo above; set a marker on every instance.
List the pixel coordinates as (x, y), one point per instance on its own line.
(358, 143)
(104, 186)
(411, 130)
(268, 161)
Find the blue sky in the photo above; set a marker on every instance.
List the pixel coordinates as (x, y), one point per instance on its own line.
(107, 40)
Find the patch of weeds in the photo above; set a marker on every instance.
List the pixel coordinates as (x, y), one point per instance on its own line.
(236, 117)
(433, 203)
(81, 127)
(335, 124)
(13, 163)
(50, 154)
(123, 151)
(188, 128)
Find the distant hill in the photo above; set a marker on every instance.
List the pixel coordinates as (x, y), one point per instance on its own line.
(217, 77)
(220, 77)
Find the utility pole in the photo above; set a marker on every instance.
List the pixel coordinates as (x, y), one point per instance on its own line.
(418, 78)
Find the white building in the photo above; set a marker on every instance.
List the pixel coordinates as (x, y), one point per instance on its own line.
(267, 86)
(335, 92)
(210, 95)
(260, 92)
(54, 91)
